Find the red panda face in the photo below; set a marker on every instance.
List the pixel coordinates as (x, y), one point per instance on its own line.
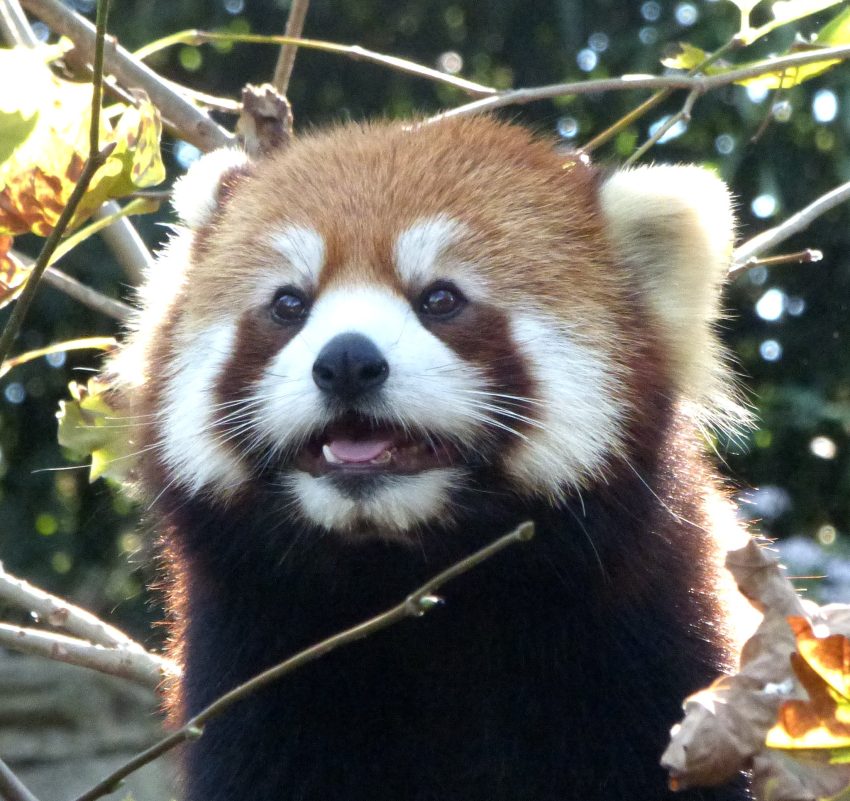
(380, 317)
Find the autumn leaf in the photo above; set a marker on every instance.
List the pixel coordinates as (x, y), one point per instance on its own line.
(44, 124)
(13, 272)
(89, 425)
(785, 716)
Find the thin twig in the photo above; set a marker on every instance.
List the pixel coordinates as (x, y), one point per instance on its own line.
(355, 52)
(181, 116)
(136, 665)
(415, 605)
(14, 27)
(794, 224)
(125, 243)
(683, 116)
(807, 256)
(58, 612)
(624, 83)
(95, 160)
(286, 58)
(651, 102)
(95, 300)
(11, 787)
(77, 290)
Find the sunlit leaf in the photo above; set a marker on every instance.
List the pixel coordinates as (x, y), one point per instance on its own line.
(137, 206)
(785, 11)
(44, 124)
(684, 56)
(87, 343)
(90, 426)
(836, 32)
(13, 272)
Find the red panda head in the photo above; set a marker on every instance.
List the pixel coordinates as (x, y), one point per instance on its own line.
(381, 315)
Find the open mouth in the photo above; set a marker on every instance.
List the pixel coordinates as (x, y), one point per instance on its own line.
(354, 444)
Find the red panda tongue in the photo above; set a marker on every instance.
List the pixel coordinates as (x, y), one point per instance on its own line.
(361, 450)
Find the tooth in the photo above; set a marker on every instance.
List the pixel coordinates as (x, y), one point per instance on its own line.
(384, 458)
(329, 455)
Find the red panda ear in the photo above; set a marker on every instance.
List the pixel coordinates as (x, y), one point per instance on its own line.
(208, 183)
(674, 227)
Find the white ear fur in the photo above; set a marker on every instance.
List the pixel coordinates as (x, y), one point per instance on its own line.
(673, 225)
(195, 195)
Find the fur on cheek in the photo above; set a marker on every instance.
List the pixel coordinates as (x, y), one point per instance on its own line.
(580, 413)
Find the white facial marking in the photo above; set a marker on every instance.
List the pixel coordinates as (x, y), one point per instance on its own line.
(580, 416)
(191, 447)
(418, 249)
(427, 386)
(398, 504)
(304, 250)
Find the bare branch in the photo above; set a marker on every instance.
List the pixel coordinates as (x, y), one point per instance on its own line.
(86, 295)
(683, 116)
(125, 243)
(60, 613)
(179, 114)
(11, 787)
(355, 52)
(766, 240)
(286, 59)
(415, 605)
(79, 291)
(134, 664)
(14, 27)
(651, 102)
(807, 256)
(629, 82)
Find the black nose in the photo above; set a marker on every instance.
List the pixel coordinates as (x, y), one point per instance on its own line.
(349, 365)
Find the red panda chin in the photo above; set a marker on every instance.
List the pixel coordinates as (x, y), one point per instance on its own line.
(357, 446)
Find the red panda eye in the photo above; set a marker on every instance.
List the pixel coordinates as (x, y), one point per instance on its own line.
(289, 305)
(441, 300)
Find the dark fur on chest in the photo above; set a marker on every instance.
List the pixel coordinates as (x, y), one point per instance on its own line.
(553, 671)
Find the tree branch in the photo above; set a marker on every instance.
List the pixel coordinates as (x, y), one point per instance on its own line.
(135, 664)
(61, 614)
(355, 52)
(415, 605)
(766, 240)
(14, 27)
(79, 291)
(683, 116)
(125, 243)
(703, 84)
(11, 787)
(286, 59)
(187, 121)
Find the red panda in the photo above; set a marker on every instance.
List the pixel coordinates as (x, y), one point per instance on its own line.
(365, 357)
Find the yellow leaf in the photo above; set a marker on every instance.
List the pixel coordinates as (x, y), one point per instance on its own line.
(89, 425)
(684, 56)
(13, 272)
(44, 124)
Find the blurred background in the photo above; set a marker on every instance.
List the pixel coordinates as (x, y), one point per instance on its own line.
(788, 325)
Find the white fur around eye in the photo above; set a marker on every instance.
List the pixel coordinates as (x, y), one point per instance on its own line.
(304, 251)
(429, 386)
